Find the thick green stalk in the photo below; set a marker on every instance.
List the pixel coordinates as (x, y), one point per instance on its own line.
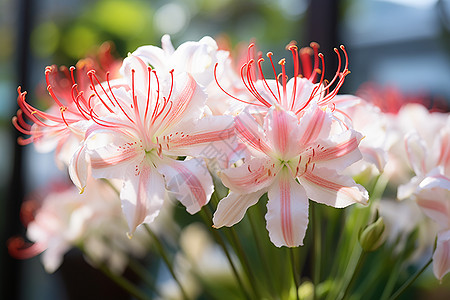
(410, 281)
(294, 272)
(262, 254)
(166, 260)
(124, 283)
(244, 261)
(219, 240)
(355, 273)
(317, 253)
(143, 274)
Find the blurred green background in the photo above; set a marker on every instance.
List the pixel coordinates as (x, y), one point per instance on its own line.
(397, 42)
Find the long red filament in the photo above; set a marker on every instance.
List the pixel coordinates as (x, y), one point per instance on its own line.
(228, 94)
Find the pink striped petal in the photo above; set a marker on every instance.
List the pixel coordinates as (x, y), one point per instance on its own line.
(337, 152)
(328, 187)
(281, 128)
(250, 177)
(251, 133)
(433, 195)
(287, 211)
(108, 161)
(315, 124)
(186, 103)
(189, 181)
(210, 137)
(142, 196)
(441, 256)
(232, 208)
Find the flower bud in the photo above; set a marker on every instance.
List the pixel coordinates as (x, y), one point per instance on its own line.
(372, 236)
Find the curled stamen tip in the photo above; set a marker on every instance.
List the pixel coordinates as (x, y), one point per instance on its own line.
(269, 54)
(336, 50)
(72, 68)
(251, 45)
(320, 55)
(282, 61)
(171, 71)
(90, 72)
(291, 45)
(260, 60)
(306, 50)
(342, 47)
(82, 190)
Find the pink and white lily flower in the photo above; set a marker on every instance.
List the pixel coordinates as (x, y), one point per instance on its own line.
(307, 86)
(431, 190)
(195, 58)
(142, 126)
(293, 159)
(62, 127)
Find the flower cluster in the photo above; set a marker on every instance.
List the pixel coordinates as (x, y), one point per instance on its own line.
(177, 123)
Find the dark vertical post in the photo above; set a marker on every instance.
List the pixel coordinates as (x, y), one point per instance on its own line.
(11, 270)
(322, 22)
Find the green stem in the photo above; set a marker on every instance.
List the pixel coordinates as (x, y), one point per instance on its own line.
(219, 240)
(244, 261)
(394, 272)
(317, 253)
(358, 266)
(165, 258)
(294, 273)
(410, 280)
(260, 249)
(124, 283)
(143, 274)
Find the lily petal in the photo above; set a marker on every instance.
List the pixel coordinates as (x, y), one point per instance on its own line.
(152, 55)
(187, 104)
(78, 168)
(189, 181)
(416, 151)
(142, 196)
(210, 137)
(281, 129)
(251, 133)
(232, 208)
(287, 211)
(250, 177)
(328, 187)
(432, 196)
(339, 151)
(315, 124)
(441, 256)
(108, 161)
(197, 58)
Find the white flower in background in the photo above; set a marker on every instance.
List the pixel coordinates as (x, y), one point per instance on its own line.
(64, 218)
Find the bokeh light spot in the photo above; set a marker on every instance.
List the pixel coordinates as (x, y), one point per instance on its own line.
(171, 18)
(45, 39)
(78, 40)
